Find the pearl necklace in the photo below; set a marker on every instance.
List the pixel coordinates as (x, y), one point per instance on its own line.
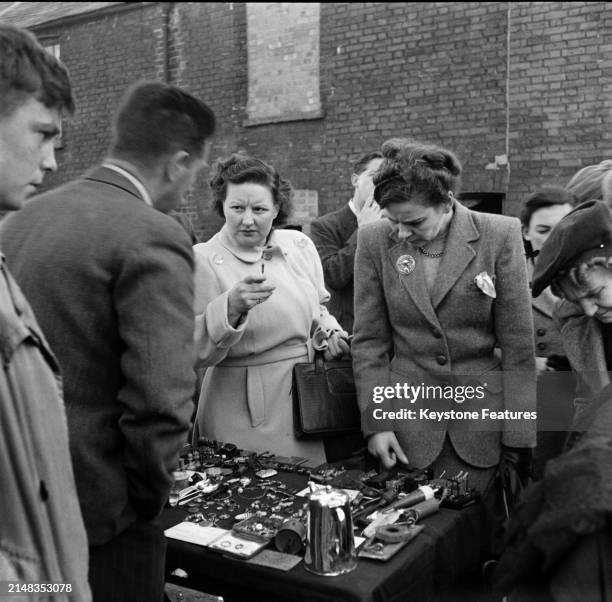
(432, 255)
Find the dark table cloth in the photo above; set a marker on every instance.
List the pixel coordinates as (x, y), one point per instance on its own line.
(448, 547)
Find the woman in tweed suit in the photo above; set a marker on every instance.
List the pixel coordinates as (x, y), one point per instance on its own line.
(437, 289)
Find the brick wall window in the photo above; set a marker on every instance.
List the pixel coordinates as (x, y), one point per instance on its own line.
(54, 48)
(283, 62)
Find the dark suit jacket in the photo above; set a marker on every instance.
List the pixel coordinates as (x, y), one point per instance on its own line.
(335, 236)
(110, 280)
(402, 334)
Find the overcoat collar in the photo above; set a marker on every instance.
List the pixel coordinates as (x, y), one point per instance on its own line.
(111, 177)
(583, 342)
(457, 256)
(272, 248)
(545, 302)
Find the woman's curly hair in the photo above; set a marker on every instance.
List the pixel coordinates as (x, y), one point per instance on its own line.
(412, 167)
(242, 169)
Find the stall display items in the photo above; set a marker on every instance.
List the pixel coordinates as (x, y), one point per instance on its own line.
(250, 501)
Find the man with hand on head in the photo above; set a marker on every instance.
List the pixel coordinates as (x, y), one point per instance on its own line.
(112, 285)
(42, 537)
(335, 236)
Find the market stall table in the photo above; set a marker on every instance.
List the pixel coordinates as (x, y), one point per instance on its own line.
(444, 550)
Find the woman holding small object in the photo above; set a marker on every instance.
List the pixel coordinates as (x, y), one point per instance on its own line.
(259, 310)
(437, 289)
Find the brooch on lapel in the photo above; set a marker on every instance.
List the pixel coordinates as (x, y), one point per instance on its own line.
(405, 264)
(486, 284)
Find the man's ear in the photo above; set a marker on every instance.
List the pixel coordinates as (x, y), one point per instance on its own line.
(176, 165)
(354, 179)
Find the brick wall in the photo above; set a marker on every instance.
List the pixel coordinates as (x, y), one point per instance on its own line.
(561, 90)
(434, 71)
(105, 54)
(283, 61)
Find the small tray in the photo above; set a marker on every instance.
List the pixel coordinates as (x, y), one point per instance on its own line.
(257, 528)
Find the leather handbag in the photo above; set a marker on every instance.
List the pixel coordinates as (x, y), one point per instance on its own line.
(324, 398)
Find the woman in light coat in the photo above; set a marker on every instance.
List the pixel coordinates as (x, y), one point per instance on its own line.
(260, 309)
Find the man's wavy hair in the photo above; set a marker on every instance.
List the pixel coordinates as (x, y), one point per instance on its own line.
(412, 167)
(243, 169)
(27, 69)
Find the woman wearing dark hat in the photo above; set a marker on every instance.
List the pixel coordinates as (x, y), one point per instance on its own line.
(437, 288)
(541, 212)
(560, 540)
(574, 263)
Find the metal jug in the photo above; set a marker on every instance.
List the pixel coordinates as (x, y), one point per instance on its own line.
(330, 548)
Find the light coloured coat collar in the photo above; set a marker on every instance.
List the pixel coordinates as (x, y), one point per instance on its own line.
(254, 255)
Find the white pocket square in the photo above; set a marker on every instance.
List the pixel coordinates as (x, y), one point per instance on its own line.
(486, 284)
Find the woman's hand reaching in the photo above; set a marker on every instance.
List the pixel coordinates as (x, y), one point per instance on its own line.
(386, 448)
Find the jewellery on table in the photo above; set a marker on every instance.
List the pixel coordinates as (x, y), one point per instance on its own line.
(251, 494)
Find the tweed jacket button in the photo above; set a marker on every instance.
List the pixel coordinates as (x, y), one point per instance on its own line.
(441, 359)
(541, 332)
(436, 333)
(542, 346)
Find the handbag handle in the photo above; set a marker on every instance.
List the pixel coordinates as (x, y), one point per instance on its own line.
(319, 361)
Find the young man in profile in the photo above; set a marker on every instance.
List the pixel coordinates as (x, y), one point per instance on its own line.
(42, 537)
